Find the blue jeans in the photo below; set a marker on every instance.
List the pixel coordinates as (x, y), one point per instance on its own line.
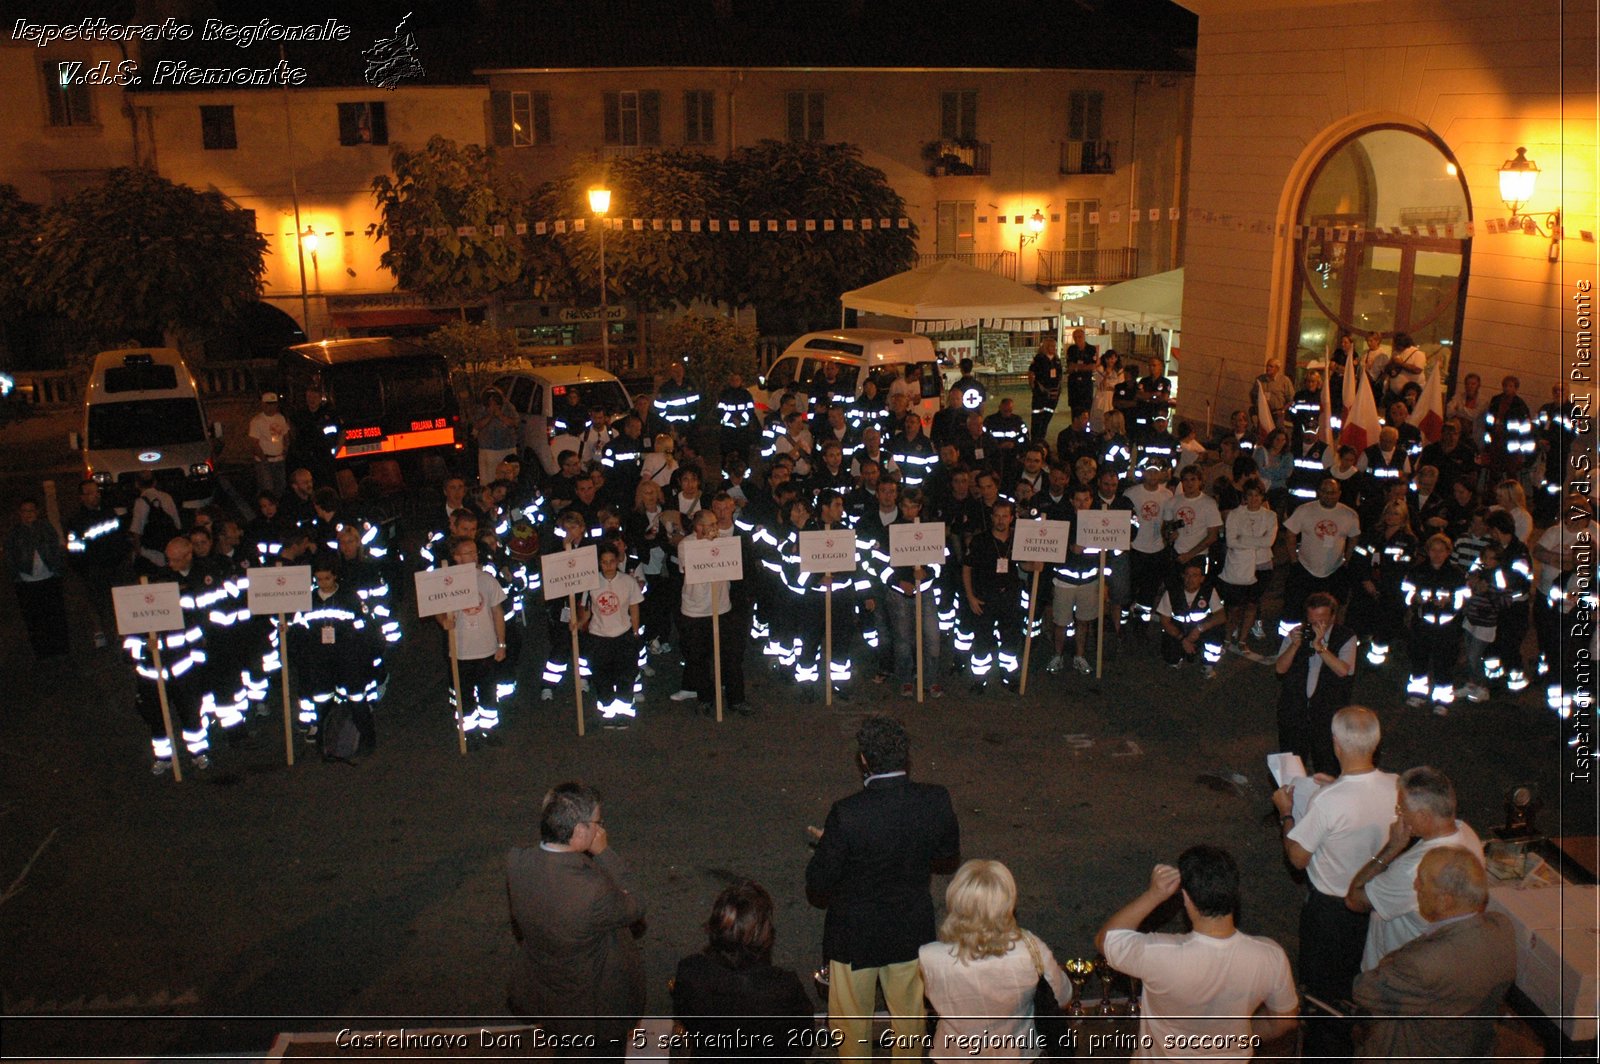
(903, 621)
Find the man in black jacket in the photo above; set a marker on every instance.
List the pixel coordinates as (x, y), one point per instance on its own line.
(871, 870)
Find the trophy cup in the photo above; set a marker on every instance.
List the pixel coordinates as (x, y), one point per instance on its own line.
(1103, 969)
(1078, 971)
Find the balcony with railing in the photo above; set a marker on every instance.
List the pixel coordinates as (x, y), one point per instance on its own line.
(1003, 263)
(955, 158)
(1092, 266)
(1088, 157)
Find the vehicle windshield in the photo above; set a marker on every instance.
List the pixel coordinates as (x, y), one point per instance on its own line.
(145, 423)
(366, 391)
(608, 394)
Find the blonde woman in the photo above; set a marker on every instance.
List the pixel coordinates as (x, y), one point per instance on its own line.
(659, 465)
(981, 973)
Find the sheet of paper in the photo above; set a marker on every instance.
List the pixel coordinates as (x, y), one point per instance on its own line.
(1285, 767)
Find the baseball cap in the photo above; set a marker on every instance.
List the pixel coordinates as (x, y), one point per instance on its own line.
(269, 397)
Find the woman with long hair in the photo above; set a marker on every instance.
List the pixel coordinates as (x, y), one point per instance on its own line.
(652, 538)
(981, 973)
(1106, 379)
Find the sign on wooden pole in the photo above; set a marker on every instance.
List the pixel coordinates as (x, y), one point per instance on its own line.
(1044, 542)
(1100, 531)
(917, 544)
(279, 590)
(444, 591)
(149, 609)
(571, 573)
(711, 561)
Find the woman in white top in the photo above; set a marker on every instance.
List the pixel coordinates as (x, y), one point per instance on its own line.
(1250, 531)
(609, 618)
(1106, 379)
(480, 634)
(981, 973)
(1510, 497)
(659, 465)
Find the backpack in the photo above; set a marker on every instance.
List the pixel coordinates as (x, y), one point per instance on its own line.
(339, 737)
(159, 527)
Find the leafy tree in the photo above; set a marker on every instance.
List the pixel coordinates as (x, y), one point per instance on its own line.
(794, 279)
(446, 189)
(711, 349)
(19, 231)
(141, 256)
(649, 268)
(475, 353)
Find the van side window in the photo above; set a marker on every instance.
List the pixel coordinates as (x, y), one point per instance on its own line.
(536, 399)
(781, 375)
(521, 390)
(931, 380)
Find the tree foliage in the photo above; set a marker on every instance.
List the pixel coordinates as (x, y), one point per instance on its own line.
(797, 278)
(475, 352)
(461, 194)
(647, 267)
(19, 234)
(141, 256)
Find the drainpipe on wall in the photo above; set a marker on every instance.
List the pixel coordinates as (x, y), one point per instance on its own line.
(130, 114)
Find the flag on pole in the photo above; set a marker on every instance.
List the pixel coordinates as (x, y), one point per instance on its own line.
(1325, 430)
(1352, 370)
(1429, 415)
(1361, 420)
(1263, 412)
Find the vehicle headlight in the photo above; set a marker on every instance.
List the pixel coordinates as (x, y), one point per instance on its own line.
(200, 469)
(103, 478)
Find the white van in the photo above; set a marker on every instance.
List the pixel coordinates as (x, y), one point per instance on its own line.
(857, 352)
(537, 395)
(142, 412)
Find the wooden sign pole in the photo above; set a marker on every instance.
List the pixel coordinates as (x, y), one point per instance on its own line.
(461, 700)
(166, 709)
(283, 664)
(827, 640)
(1100, 621)
(716, 651)
(917, 575)
(1027, 643)
(577, 666)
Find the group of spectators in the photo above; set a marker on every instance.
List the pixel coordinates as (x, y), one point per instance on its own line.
(1396, 926)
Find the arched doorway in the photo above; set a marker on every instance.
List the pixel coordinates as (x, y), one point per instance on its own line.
(1381, 245)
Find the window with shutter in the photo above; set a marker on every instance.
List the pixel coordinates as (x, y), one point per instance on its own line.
(1083, 111)
(649, 118)
(500, 118)
(216, 129)
(698, 113)
(958, 115)
(612, 104)
(363, 123)
(69, 103)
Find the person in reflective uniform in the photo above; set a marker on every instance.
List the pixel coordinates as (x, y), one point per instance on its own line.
(1192, 620)
(901, 585)
(97, 546)
(569, 534)
(1378, 566)
(480, 644)
(1508, 441)
(994, 598)
(1514, 577)
(1435, 596)
(183, 658)
(677, 401)
(335, 643)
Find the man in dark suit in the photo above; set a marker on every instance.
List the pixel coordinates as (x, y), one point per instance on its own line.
(574, 911)
(1437, 996)
(874, 859)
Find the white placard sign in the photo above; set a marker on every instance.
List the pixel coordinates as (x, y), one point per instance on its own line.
(453, 587)
(1041, 541)
(1105, 529)
(280, 589)
(143, 608)
(708, 560)
(570, 572)
(831, 550)
(916, 544)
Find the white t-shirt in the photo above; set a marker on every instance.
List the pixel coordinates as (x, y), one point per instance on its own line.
(1392, 892)
(1198, 516)
(1250, 537)
(1190, 451)
(989, 995)
(1323, 534)
(475, 635)
(1147, 509)
(271, 431)
(1345, 824)
(608, 605)
(1195, 975)
(1552, 539)
(697, 597)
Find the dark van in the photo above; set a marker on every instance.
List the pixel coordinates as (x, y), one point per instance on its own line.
(389, 396)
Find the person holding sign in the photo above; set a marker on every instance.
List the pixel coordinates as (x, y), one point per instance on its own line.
(609, 618)
(570, 531)
(1075, 594)
(183, 655)
(334, 644)
(699, 602)
(480, 644)
(903, 584)
(830, 518)
(994, 594)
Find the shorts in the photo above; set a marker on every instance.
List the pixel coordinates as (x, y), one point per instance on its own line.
(1067, 600)
(1240, 594)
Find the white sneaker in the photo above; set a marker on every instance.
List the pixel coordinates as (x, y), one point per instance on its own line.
(161, 766)
(1475, 693)
(1417, 701)
(99, 640)
(1208, 671)
(200, 762)
(1081, 664)
(1257, 632)
(683, 695)
(547, 695)
(648, 671)
(1055, 664)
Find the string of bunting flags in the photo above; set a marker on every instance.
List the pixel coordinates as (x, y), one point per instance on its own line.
(563, 226)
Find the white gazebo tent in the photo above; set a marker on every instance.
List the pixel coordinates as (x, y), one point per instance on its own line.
(1146, 304)
(949, 294)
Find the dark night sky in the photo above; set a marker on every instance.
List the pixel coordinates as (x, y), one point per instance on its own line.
(456, 36)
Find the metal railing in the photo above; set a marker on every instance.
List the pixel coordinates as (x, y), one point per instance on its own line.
(1088, 157)
(54, 388)
(1002, 262)
(955, 158)
(1092, 266)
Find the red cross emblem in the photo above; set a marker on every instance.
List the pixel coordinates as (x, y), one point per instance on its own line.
(449, 580)
(282, 581)
(149, 600)
(716, 552)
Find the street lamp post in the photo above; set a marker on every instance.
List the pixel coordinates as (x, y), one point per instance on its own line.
(600, 203)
